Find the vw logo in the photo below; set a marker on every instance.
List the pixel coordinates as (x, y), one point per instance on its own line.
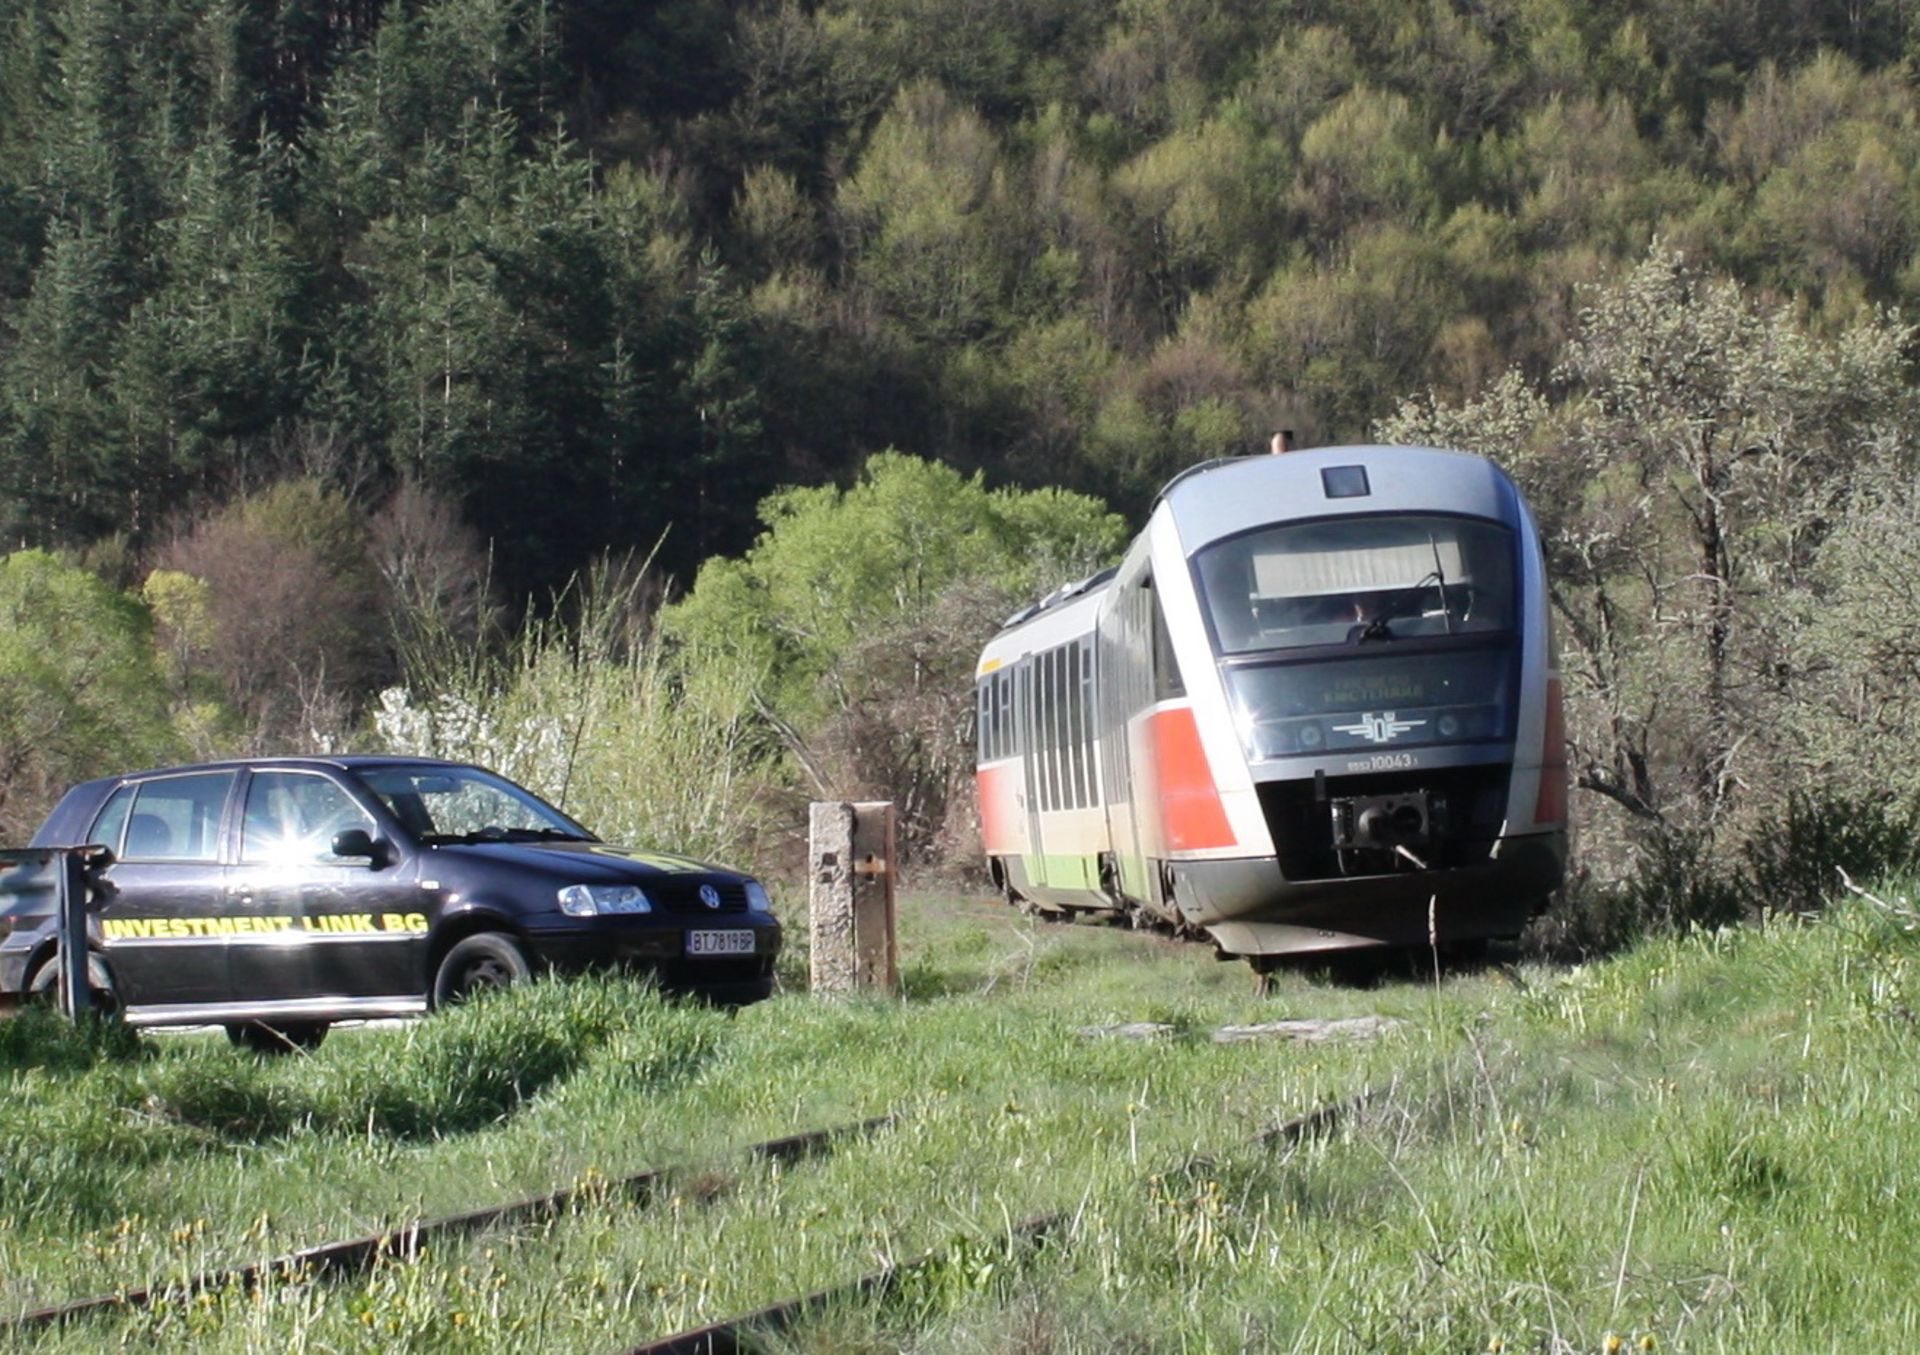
(710, 896)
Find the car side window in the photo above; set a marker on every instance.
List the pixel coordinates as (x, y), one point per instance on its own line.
(177, 818)
(293, 817)
(111, 822)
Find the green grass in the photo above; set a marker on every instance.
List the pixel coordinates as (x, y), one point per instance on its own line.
(1708, 1143)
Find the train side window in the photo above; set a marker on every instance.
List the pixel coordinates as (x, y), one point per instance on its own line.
(1166, 665)
(1042, 740)
(1056, 698)
(1078, 705)
(1024, 727)
(1070, 708)
(1036, 726)
(1089, 725)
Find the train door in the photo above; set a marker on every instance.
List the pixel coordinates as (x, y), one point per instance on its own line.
(1032, 751)
(1114, 706)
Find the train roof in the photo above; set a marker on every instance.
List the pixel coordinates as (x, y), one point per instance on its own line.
(1066, 592)
(1223, 498)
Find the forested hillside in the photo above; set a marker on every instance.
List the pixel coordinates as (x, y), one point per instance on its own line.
(602, 270)
(338, 331)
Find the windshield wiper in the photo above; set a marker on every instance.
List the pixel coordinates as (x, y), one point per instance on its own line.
(494, 834)
(1377, 628)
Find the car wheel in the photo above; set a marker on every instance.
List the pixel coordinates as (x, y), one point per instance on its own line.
(278, 1037)
(44, 985)
(483, 963)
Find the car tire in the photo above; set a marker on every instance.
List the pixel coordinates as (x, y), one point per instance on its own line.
(44, 985)
(486, 962)
(277, 1037)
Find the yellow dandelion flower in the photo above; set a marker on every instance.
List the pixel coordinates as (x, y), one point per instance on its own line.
(1614, 1344)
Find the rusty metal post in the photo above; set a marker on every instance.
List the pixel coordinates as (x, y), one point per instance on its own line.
(851, 898)
(76, 994)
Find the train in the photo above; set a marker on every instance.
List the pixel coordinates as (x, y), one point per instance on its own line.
(1316, 707)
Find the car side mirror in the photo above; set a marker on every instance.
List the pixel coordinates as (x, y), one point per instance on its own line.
(358, 842)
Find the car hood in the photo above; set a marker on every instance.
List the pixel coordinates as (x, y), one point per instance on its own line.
(582, 862)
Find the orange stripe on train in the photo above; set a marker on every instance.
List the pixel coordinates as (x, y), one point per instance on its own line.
(999, 808)
(1189, 800)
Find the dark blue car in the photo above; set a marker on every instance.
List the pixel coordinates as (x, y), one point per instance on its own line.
(276, 896)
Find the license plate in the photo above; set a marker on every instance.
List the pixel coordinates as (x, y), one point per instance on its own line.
(720, 943)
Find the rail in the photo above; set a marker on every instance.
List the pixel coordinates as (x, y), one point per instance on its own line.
(736, 1335)
(405, 1243)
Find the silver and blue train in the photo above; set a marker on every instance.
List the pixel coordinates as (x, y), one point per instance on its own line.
(1315, 707)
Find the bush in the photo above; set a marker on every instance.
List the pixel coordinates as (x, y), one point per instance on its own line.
(1791, 866)
(1795, 867)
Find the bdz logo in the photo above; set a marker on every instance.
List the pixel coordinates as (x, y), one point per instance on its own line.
(710, 896)
(1378, 728)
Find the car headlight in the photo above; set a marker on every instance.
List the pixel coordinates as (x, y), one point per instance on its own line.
(757, 898)
(604, 900)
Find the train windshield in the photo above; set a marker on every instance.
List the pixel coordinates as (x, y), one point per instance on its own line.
(1365, 635)
(1359, 581)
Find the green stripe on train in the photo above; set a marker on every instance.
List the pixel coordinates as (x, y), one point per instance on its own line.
(1065, 872)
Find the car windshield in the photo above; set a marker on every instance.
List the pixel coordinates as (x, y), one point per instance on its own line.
(1358, 580)
(439, 804)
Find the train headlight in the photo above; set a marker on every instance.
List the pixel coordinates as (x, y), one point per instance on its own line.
(1448, 726)
(1310, 736)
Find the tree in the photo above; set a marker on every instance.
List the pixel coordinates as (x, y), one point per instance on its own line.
(858, 615)
(919, 218)
(293, 629)
(81, 692)
(1206, 203)
(434, 573)
(1689, 467)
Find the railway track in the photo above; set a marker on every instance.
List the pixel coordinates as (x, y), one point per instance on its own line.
(355, 1254)
(737, 1335)
(730, 1336)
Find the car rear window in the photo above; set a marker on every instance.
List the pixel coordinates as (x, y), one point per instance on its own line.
(112, 821)
(176, 818)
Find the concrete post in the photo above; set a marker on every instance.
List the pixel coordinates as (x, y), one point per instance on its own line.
(851, 898)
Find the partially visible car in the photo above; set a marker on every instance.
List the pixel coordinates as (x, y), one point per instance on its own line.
(277, 896)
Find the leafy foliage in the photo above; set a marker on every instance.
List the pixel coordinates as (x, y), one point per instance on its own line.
(856, 617)
(595, 714)
(599, 271)
(80, 684)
